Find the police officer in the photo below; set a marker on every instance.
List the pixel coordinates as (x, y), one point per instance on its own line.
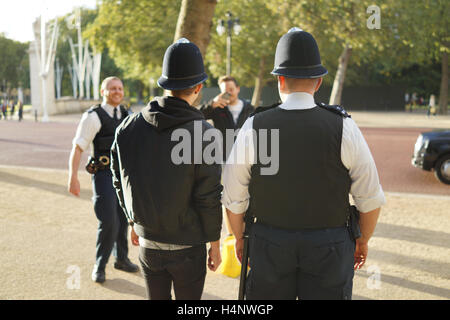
(300, 245)
(174, 205)
(97, 126)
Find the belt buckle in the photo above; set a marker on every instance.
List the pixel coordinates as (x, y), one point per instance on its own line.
(104, 160)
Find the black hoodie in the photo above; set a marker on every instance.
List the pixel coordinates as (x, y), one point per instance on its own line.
(169, 203)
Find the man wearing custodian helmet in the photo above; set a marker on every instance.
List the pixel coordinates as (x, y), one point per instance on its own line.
(174, 208)
(304, 240)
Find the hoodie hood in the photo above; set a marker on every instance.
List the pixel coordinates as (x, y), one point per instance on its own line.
(169, 112)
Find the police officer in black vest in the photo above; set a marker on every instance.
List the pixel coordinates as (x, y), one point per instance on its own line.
(301, 241)
(97, 126)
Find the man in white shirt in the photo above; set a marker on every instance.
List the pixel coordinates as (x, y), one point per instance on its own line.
(227, 111)
(97, 127)
(300, 244)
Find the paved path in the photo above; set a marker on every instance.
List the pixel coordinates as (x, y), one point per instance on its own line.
(47, 236)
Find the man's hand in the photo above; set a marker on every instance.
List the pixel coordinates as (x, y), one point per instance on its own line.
(239, 249)
(220, 102)
(74, 186)
(367, 223)
(134, 237)
(74, 162)
(361, 251)
(214, 257)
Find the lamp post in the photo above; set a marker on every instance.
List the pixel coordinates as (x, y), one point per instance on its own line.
(231, 25)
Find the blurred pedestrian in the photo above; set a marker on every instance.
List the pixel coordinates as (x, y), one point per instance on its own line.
(5, 109)
(12, 108)
(407, 101)
(20, 110)
(432, 106)
(413, 101)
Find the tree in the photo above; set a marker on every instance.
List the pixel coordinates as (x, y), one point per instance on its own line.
(195, 21)
(253, 49)
(427, 38)
(340, 26)
(14, 66)
(136, 33)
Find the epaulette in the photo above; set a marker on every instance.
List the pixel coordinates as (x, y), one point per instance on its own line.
(92, 108)
(262, 109)
(335, 109)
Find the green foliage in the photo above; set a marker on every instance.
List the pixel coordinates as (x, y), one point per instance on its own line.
(137, 33)
(257, 40)
(14, 63)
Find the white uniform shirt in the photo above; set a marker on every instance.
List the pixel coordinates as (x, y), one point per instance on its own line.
(90, 125)
(236, 109)
(355, 154)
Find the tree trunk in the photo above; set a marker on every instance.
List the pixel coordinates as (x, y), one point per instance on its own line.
(443, 94)
(195, 22)
(338, 85)
(259, 83)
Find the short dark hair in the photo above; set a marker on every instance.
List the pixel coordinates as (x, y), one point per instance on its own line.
(228, 78)
(184, 92)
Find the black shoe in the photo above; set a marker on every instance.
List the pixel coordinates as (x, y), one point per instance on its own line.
(98, 275)
(126, 265)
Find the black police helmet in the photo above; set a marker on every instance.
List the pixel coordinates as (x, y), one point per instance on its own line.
(182, 66)
(297, 56)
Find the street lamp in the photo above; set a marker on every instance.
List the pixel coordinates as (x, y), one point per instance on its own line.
(231, 25)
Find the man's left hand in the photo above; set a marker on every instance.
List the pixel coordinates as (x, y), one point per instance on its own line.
(134, 237)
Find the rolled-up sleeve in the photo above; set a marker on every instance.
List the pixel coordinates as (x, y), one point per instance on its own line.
(87, 129)
(237, 171)
(366, 189)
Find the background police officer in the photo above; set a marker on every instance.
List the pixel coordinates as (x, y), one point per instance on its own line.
(97, 126)
(300, 245)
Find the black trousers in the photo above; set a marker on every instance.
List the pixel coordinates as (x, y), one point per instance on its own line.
(185, 268)
(112, 222)
(309, 264)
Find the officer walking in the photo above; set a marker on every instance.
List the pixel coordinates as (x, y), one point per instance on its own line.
(98, 126)
(300, 242)
(174, 205)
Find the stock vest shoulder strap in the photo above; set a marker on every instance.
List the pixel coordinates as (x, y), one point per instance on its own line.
(93, 108)
(337, 109)
(262, 109)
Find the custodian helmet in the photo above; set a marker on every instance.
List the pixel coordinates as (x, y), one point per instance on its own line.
(182, 66)
(297, 56)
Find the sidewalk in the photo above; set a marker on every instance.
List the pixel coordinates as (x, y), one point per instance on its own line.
(47, 238)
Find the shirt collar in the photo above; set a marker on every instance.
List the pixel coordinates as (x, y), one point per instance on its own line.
(298, 101)
(110, 109)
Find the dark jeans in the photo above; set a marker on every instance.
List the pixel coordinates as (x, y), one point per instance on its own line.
(112, 222)
(308, 264)
(185, 268)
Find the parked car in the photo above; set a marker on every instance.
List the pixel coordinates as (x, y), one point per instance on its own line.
(432, 152)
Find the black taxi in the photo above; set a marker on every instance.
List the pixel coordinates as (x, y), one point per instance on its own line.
(432, 152)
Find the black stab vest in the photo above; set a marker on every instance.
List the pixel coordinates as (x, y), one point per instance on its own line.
(311, 188)
(105, 137)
